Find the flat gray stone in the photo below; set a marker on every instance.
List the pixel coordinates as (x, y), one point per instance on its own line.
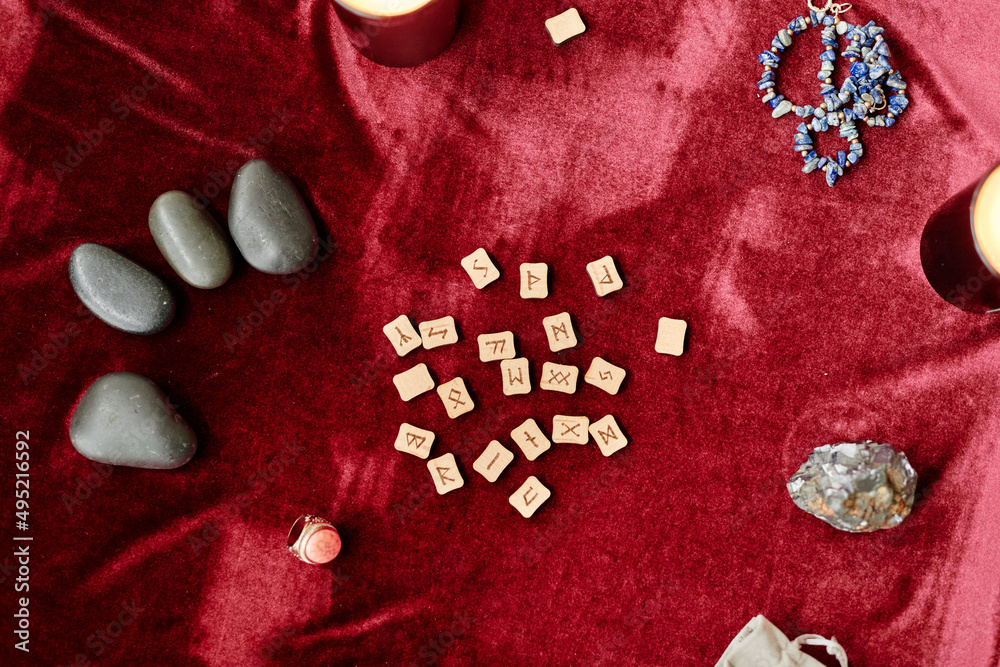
(785, 37)
(124, 419)
(269, 221)
(190, 240)
(119, 291)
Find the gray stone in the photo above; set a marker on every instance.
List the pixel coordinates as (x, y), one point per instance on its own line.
(124, 419)
(785, 37)
(269, 221)
(859, 487)
(842, 27)
(783, 107)
(119, 291)
(190, 240)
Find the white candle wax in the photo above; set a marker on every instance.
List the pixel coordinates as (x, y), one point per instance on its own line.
(986, 220)
(384, 7)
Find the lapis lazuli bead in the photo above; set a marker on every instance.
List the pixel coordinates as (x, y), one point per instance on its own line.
(822, 162)
(895, 81)
(776, 101)
(853, 158)
(827, 89)
(802, 129)
(810, 166)
(889, 122)
(820, 125)
(776, 43)
(829, 54)
(850, 85)
(877, 72)
(768, 59)
(829, 20)
(842, 158)
(831, 174)
(848, 114)
(857, 148)
(859, 69)
(811, 156)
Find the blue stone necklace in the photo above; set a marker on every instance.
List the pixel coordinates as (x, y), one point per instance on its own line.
(873, 93)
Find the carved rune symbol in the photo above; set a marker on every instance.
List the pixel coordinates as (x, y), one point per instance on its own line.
(415, 441)
(530, 439)
(441, 473)
(567, 429)
(442, 333)
(493, 461)
(559, 377)
(605, 375)
(607, 279)
(455, 396)
(532, 279)
(475, 265)
(526, 500)
(403, 338)
(495, 343)
(511, 379)
(607, 435)
(557, 329)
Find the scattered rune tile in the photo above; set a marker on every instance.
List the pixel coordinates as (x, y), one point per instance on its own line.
(670, 336)
(570, 429)
(496, 346)
(444, 472)
(413, 440)
(494, 459)
(605, 375)
(516, 379)
(480, 268)
(413, 382)
(608, 435)
(529, 437)
(559, 377)
(530, 497)
(604, 275)
(455, 397)
(402, 335)
(559, 331)
(435, 333)
(534, 281)
(565, 26)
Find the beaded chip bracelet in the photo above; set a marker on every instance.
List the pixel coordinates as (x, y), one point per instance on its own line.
(872, 85)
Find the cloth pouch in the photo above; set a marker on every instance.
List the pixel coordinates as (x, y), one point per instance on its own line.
(760, 644)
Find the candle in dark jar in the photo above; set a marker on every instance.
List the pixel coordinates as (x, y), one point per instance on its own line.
(960, 247)
(399, 33)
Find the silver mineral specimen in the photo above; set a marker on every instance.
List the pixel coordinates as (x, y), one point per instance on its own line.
(859, 487)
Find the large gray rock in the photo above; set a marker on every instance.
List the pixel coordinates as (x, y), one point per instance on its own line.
(859, 487)
(125, 420)
(190, 240)
(119, 291)
(269, 221)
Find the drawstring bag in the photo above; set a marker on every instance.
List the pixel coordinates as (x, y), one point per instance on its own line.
(760, 644)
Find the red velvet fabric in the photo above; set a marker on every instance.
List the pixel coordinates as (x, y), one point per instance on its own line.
(810, 323)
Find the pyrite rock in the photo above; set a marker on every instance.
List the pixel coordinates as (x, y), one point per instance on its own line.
(859, 487)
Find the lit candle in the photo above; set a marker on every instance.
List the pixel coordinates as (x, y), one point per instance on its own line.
(986, 219)
(399, 33)
(960, 247)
